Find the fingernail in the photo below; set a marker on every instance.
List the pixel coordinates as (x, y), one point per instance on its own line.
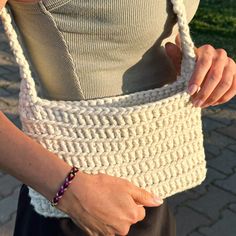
(157, 200)
(198, 103)
(192, 89)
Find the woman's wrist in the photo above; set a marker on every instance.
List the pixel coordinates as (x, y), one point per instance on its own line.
(56, 174)
(72, 194)
(64, 186)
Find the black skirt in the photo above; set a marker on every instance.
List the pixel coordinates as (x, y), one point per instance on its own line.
(159, 221)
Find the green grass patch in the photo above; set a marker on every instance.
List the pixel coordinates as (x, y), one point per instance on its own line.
(215, 23)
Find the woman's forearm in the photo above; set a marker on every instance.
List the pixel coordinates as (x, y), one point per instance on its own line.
(28, 161)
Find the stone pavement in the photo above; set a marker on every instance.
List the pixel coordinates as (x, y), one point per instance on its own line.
(208, 210)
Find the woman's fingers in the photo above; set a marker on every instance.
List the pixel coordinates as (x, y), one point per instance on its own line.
(223, 86)
(143, 197)
(175, 55)
(141, 213)
(228, 95)
(203, 65)
(214, 78)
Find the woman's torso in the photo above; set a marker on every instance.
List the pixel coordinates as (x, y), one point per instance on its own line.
(88, 49)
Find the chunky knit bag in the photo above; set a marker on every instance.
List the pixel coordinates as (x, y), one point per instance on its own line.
(152, 138)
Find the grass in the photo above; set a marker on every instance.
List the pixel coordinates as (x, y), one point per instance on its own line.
(215, 23)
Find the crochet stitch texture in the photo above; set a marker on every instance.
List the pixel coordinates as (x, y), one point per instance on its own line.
(152, 138)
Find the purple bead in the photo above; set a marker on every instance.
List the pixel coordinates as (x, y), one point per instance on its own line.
(71, 176)
(66, 184)
(56, 199)
(61, 191)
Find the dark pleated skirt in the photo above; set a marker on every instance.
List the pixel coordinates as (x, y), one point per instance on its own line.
(159, 221)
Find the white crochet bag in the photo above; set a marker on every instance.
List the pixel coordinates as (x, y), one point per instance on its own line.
(152, 138)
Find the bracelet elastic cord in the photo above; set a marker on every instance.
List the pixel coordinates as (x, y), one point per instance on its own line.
(64, 186)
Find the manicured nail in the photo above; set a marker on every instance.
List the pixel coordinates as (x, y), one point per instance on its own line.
(192, 89)
(198, 103)
(157, 200)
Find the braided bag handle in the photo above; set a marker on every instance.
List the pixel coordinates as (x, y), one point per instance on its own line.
(23, 64)
(187, 45)
(189, 57)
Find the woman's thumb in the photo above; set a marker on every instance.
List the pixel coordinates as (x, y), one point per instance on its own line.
(175, 55)
(142, 197)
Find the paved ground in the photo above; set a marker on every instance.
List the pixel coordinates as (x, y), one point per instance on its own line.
(209, 210)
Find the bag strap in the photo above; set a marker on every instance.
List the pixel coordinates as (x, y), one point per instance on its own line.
(187, 45)
(16, 48)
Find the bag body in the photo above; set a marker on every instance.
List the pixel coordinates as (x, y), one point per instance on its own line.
(152, 138)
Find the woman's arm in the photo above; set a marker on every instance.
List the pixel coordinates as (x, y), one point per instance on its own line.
(28, 161)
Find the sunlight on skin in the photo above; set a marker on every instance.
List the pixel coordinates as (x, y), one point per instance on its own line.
(2, 3)
(214, 76)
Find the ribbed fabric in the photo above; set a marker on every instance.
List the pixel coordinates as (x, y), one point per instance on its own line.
(98, 48)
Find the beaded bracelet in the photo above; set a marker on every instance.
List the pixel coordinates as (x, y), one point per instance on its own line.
(64, 186)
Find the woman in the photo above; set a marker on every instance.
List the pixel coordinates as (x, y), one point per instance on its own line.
(73, 45)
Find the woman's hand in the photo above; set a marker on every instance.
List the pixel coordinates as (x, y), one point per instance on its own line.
(214, 76)
(105, 205)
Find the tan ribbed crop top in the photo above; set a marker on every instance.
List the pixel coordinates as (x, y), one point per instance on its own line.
(82, 49)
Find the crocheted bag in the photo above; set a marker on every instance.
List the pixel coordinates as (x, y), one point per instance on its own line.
(152, 138)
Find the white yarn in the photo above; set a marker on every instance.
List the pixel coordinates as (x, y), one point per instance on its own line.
(153, 138)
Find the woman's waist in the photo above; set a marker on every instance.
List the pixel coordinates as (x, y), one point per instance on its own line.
(102, 83)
